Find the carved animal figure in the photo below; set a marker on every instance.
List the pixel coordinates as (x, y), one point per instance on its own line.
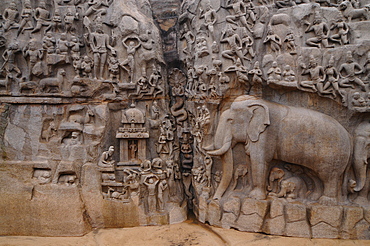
(274, 131)
(361, 154)
(6, 82)
(47, 83)
(178, 111)
(349, 12)
(292, 187)
(28, 86)
(284, 184)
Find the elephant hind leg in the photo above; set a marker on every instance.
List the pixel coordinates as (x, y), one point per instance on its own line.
(330, 194)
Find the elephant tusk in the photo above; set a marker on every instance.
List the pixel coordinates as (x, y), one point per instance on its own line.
(220, 151)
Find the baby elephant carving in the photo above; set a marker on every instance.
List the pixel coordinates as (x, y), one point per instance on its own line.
(293, 187)
(284, 184)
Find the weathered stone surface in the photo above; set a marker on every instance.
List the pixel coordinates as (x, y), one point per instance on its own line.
(253, 206)
(228, 220)
(352, 215)
(330, 215)
(276, 208)
(251, 222)
(323, 230)
(295, 212)
(298, 229)
(275, 226)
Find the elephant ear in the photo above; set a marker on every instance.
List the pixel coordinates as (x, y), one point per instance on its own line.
(259, 120)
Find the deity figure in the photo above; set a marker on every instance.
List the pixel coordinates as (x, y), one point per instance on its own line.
(26, 18)
(342, 35)
(34, 54)
(9, 59)
(131, 50)
(321, 32)
(332, 78)
(10, 15)
(235, 43)
(288, 74)
(274, 73)
(256, 80)
(273, 41)
(210, 17)
(290, 43)
(42, 18)
(316, 73)
(349, 71)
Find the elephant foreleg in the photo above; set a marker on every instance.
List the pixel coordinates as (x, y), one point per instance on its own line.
(259, 175)
(227, 174)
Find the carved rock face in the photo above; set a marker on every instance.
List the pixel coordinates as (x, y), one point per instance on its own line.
(112, 110)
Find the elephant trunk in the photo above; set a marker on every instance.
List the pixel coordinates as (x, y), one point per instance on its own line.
(227, 174)
(271, 183)
(360, 162)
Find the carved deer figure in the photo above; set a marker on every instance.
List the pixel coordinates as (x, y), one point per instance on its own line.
(47, 83)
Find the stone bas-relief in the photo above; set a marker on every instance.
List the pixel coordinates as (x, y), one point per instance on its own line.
(254, 114)
(87, 137)
(282, 148)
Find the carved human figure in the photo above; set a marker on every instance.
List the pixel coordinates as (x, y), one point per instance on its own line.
(26, 18)
(210, 17)
(247, 43)
(56, 21)
(48, 42)
(131, 48)
(162, 186)
(151, 182)
(235, 43)
(321, 31)
(290, 43)
(201, 49)
(171, 177)
(74, 139)
(69, 20)
(274, 73)
(133, 150)
(99, 43)
(256, 80)
(42, 16)
(288, 74)
(332, 78)
(97, 7)
(349, 72)
(154, 111)
(106, 158)
(113, 68)
(342, 31)
(316, 72)
(358, 100)
(239, 9)
(34, 54)
(155, 82)
(273, 41)
(9, 59)
(10, 16)
(75, 45)
(86, 67)
(189, 37)
(62, 46)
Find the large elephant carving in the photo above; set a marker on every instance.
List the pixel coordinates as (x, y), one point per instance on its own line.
(274, 131)
(361, 154)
